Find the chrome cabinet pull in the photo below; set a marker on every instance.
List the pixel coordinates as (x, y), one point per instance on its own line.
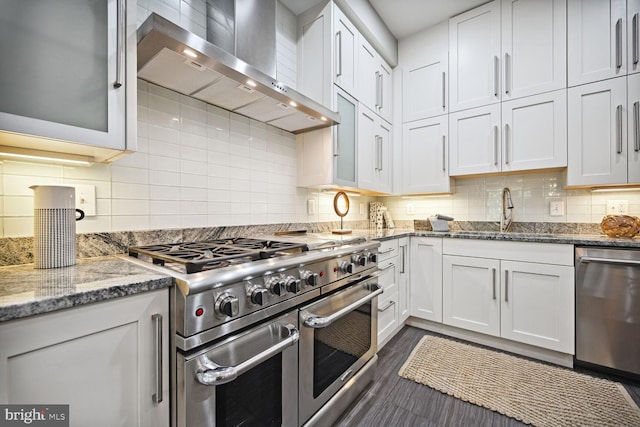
(635, 38)
(507, 151)
(444, 87)
(495, 145)
(318, 322)
(386, 307)
(496, 75)
(381, 154)
(120, 41)
(404, 254)
(619, 129)
(339, 53)
(386, 251)
(506, 286)
(381, 90)
(157, 360)
(444, 153)
(507, 80)
(619, 43)
(377, 89)
(336, 144)
(494, 282)
(387, 267)
(636, 126)
(210, 373)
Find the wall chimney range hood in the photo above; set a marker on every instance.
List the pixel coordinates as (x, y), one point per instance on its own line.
(172, 57)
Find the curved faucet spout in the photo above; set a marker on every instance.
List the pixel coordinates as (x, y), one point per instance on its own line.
(507, 210)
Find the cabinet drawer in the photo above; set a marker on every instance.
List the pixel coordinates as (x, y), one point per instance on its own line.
(546, 253)
(388, 249)
(387, 278)
(387, 315)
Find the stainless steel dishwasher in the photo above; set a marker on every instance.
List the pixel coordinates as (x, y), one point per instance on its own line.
(608, 308)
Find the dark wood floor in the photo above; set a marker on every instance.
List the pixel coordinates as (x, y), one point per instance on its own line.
(395, 401)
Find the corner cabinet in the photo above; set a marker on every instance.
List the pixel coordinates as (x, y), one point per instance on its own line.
(52, 103)
(108, 361)
(519, 291)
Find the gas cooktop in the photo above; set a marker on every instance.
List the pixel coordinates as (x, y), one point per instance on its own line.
(194, 257)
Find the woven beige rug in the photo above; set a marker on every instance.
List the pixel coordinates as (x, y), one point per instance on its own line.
(531, 392)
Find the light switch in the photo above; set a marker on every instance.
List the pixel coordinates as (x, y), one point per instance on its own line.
(410, 209)
(86, 198)
(556, 208)
(311, 207)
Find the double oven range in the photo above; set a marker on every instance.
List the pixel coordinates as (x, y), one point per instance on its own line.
(263, 332)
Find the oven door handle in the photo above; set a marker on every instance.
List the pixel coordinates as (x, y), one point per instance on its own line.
(317, 322)
(210, 373)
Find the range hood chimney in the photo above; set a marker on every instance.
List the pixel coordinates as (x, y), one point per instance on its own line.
(235, 69)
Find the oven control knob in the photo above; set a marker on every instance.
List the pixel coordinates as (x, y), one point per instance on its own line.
(360, 260)
(293, 285)
(277, 287)
(310, 278)
(259, 296)
(373, 258)
(347, 267)
(227, 305)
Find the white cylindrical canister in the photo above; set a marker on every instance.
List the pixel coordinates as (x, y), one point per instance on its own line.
(54, 231)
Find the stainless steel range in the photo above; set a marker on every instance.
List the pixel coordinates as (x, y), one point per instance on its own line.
(256, 322)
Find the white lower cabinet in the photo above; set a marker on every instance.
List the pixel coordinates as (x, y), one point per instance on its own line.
(519, 291)
(426, 278)
(101, 359)
(389, 303)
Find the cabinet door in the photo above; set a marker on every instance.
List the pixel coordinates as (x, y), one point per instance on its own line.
(385, 91)
(597, 133)
(345, 50)
(424, 59)
(98, 359)
(633, 108)
(426, 278)
(596, 40)
(345, 140)
(475, 141)
(534, 47)
(403, 279)
(471, 294)
(384, 160)
(314, 52)
(425, 156)
(537, 305)
(368, 146)
(526, 144)
(69, 86)
(633, 35)
(474, 57)
(368, 72)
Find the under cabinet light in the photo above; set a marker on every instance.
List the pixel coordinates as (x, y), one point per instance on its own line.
(190, 53)
(15, 153)
(613, 189)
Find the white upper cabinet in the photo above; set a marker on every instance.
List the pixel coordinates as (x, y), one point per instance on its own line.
(597, 120)
(474, 57)
(534, 47)
(374, 85)
(374, 152)
(425, 162)
(475, 141)
(633, 108)
(345, 50)
(68, 77)
(314, 54)
(633, 35)
(424, 59)
(597, 40)
(534, 132)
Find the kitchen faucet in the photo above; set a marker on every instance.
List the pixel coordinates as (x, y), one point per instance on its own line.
(507, 207)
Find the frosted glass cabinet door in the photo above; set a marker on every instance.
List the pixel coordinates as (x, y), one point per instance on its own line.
(344, 153)
(59, 75)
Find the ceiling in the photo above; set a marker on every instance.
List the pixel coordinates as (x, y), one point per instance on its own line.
(406, 17)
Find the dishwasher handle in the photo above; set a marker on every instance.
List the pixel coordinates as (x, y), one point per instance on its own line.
(609, 260)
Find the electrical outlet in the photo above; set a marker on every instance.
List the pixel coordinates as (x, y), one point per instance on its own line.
(556, 208)
(311, 207)
(618, 207)
(410, 210)
(86, 198)
(363, 209)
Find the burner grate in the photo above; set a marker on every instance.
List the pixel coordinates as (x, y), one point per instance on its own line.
(211, 254)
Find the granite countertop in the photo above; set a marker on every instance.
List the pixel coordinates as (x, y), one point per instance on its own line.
(26, 291)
